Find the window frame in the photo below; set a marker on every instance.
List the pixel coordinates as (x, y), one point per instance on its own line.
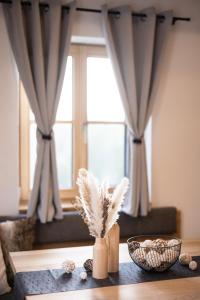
(79, 122)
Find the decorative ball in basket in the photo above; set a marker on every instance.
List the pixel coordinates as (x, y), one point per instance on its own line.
(154, 254)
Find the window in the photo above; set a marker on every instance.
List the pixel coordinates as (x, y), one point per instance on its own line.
(89, 129)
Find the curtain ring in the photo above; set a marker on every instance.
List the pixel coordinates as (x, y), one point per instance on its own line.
(114, 14)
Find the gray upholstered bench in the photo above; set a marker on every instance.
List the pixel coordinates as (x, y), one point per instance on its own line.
(72, 229)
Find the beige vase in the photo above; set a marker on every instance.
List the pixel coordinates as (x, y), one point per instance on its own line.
(100, 259)
(113, 248)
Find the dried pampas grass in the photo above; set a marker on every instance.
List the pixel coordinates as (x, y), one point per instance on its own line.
(98, 208)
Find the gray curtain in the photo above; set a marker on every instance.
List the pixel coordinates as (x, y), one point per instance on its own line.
(40, 40)
(136, 48)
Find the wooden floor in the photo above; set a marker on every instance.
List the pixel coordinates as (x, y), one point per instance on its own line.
(179, 289)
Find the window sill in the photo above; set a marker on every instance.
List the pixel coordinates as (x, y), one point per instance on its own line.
(66, 206)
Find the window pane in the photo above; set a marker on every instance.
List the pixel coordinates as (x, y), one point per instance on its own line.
(63, 139)
(64, 112)
(103, 100)
(106, 151)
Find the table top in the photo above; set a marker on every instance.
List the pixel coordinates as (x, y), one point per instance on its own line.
(187, 288)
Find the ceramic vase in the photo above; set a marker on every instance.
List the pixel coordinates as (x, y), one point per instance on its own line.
(113, 248)
(100, 259)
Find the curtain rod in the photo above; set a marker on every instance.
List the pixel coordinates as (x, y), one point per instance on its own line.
(46, 5)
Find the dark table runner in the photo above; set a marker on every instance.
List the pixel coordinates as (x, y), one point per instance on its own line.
(53, 281)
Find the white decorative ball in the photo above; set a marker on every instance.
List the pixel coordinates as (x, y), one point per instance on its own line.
(193, 265)
(172, 242)
(159, 245)
(83, 275)
(169, 255)
(69, 266)
(164, 257)
(147, 243)
(139, 255)
(185, 258)
(153, 259)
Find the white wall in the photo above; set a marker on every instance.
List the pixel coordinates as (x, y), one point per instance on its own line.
(8, 127)
(176, 121)
(176, 126)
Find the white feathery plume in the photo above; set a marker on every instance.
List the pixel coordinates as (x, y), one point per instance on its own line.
(84, 199)
(91, 202)
(105, 187)
(117, 199)
(98, 208)
(96, 203)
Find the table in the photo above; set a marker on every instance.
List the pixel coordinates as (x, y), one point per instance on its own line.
(187, 288)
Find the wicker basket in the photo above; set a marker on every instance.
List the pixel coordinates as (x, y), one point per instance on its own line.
(157, 257)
